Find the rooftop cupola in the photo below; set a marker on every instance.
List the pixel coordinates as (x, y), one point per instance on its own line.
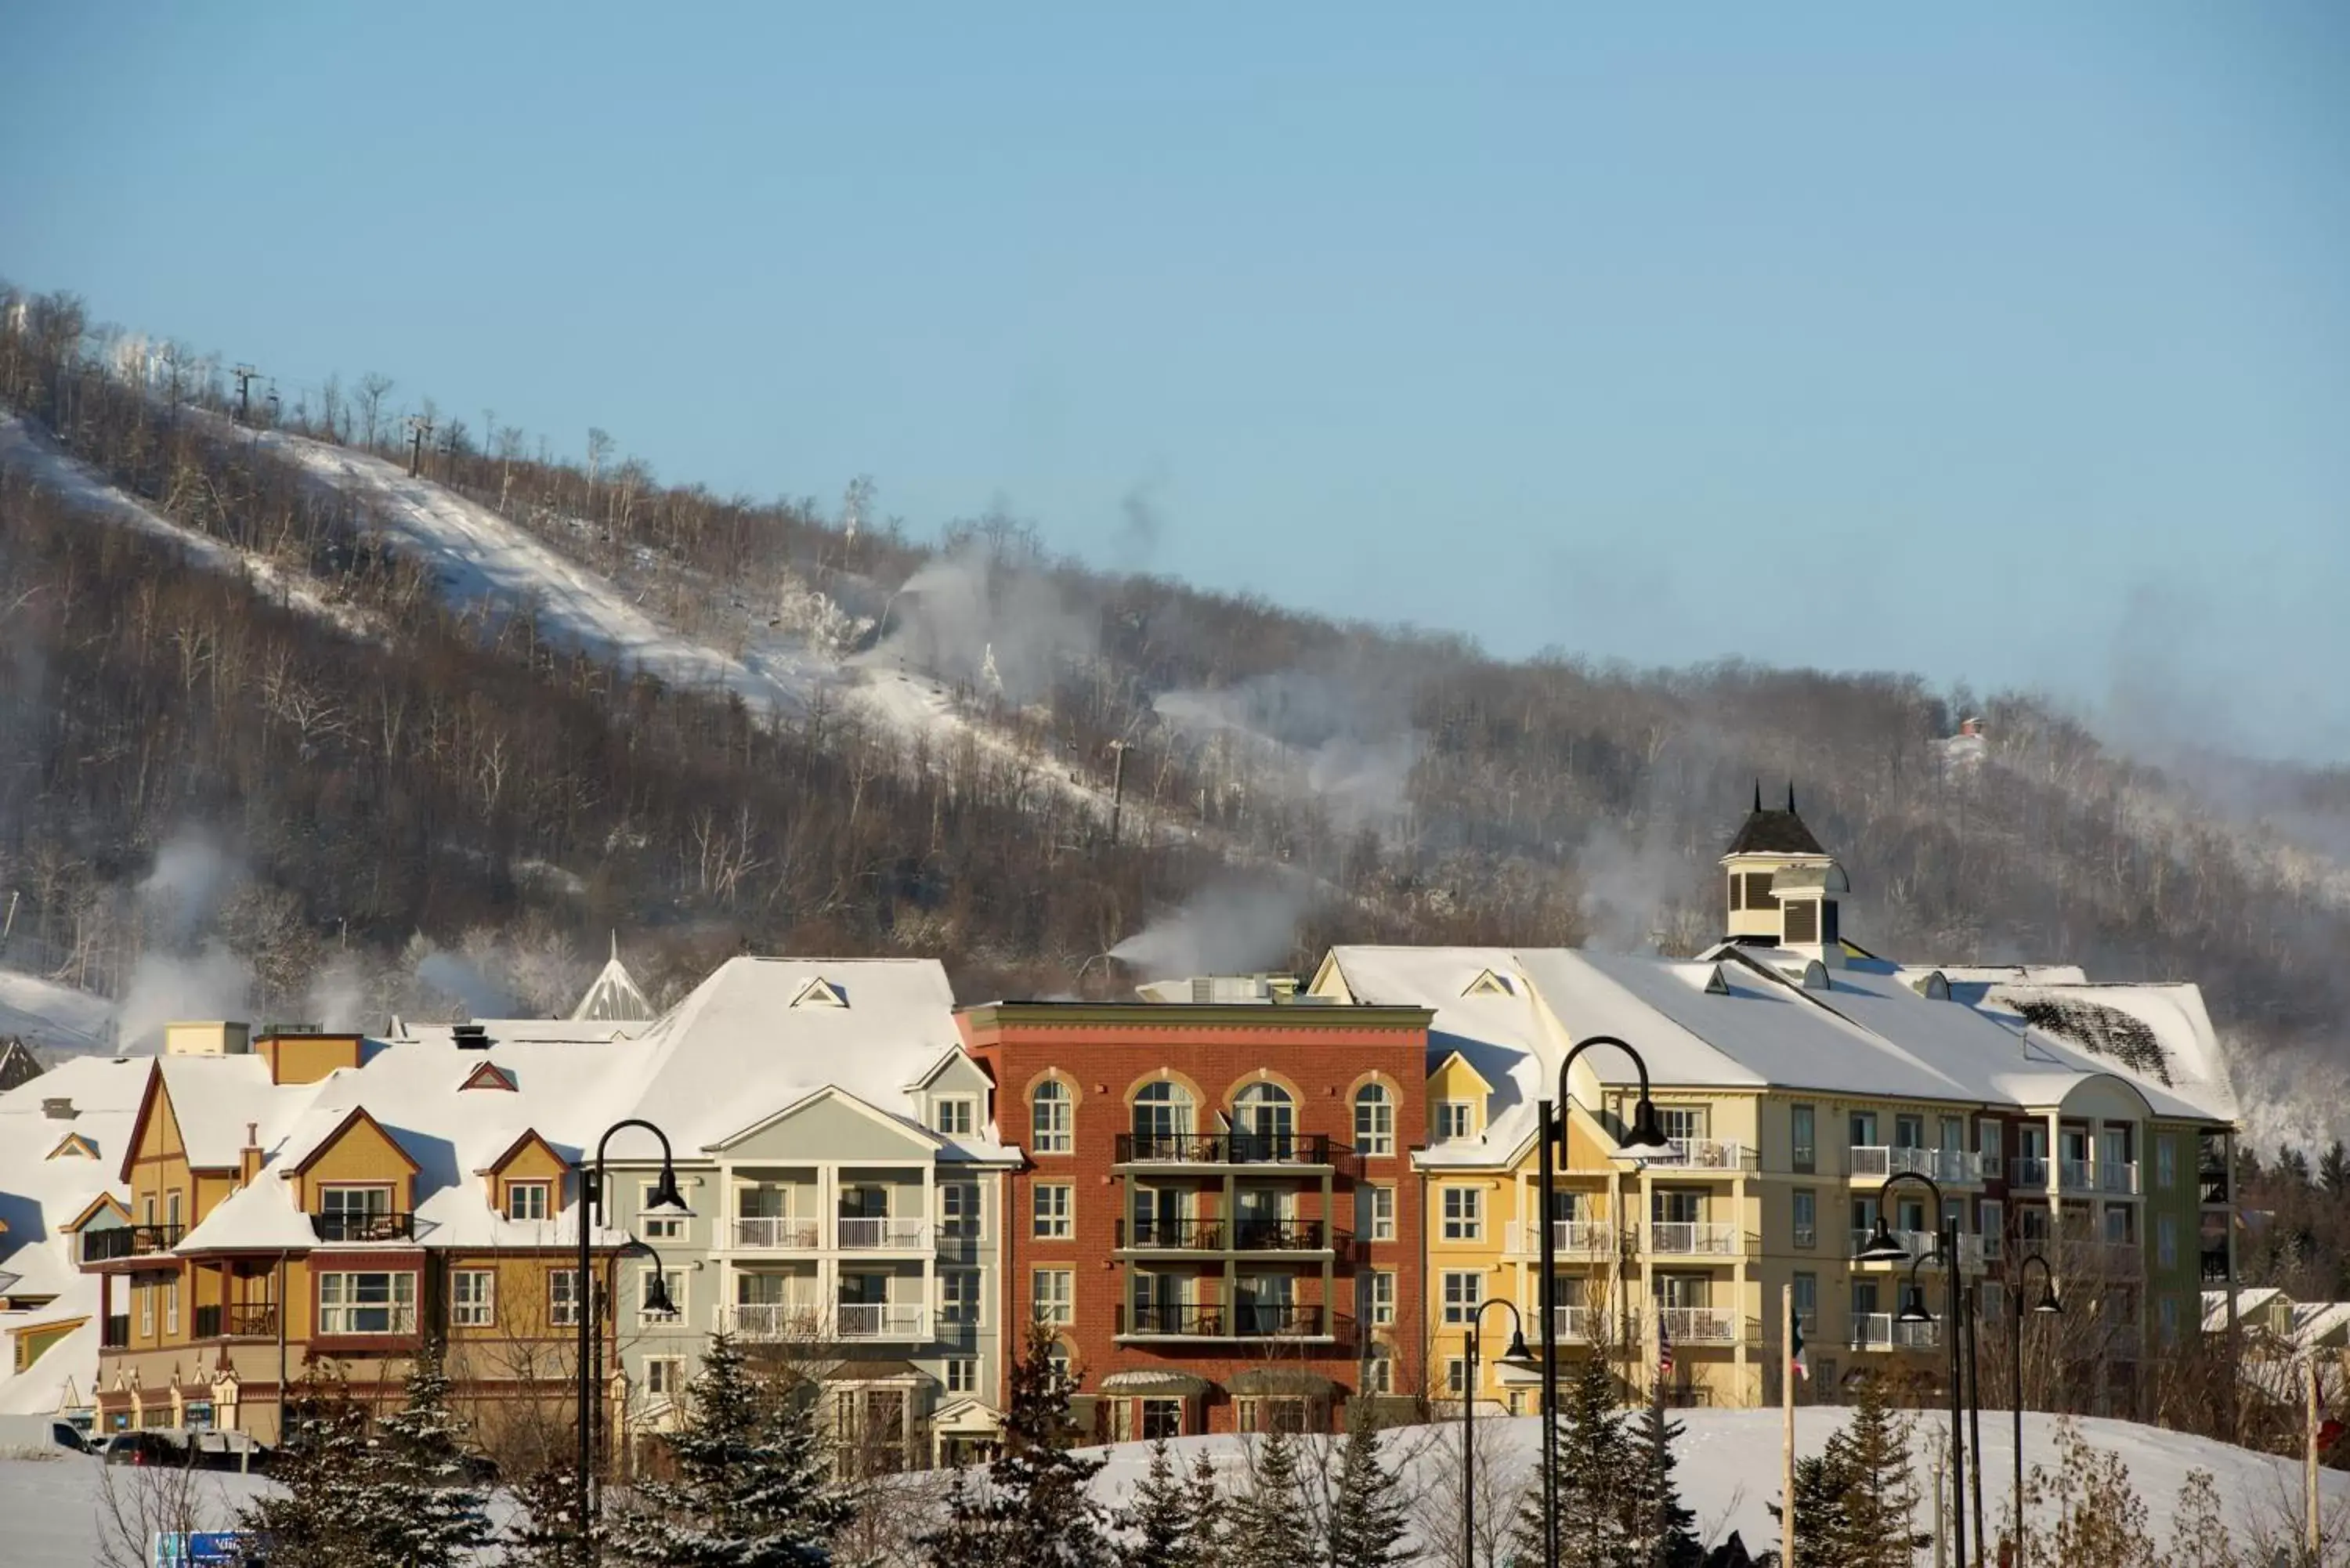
(1783, 887)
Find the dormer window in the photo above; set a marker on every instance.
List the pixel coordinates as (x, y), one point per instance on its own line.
(953, 1114)
(527, 1200)
(1456, 1121)
(820, 992)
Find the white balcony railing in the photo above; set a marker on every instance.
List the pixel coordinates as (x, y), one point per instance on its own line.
(775, 1320)
(1585, 1326)
(879, 1321)
(2027, 1170)
(1573, 1238)
(1685, 1239)
(1922, 1244)
(2117, 1175)
(886, 1235)
(1878, 1331)
(770, 1233)
(1702, 1154)
(1700, 1325)
(1953, 1165)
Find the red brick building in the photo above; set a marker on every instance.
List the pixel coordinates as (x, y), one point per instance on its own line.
(1218, 1212)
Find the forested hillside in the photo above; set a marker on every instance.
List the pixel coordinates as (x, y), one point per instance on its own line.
(373, 770)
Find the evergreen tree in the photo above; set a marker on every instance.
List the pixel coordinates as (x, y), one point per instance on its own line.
(1204, 1505)
(546, 1530)
(1876, 1523)
(1366, 1518)
(1034, 1511)
(434, 1515)
(320, 1511)
(1821, 1528)
(1653, 1515)
(750, 1489)
(2333, 1170)
(1161, 1516)
(1595, 1460)
(1269, 1528)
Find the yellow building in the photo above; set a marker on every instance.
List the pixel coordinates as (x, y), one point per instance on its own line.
(1798, 1076)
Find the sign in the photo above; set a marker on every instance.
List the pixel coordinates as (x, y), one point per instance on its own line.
(207, 1548)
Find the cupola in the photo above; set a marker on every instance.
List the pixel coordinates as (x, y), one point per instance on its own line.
(1782, 888)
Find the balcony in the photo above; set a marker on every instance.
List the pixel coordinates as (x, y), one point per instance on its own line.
(768, 1321)
(1280, 1236)
(1572, 1237)
(359, 1227)
(2076, 1175)
(884, 1235)
(2027, 1170)
(1869, 1162)
(2117, 1177)
(236, 1321)
(1214, 1320)
(879, 1319)
(125, 1241)
(1878, 1331)
(1687, 1239)
(1151, 1234)
(1924, 1243)
(2214, 1264)
(2211, 1183)
(1703, 1154)
(1224, 1149)
(774, 1233)
(1699, 1325)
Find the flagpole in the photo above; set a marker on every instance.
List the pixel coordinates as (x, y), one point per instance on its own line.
(1787, 1426)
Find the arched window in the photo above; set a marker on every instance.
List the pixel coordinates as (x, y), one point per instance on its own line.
(1265, 1123)
(1374, 1120)
(1049, 1120)
(1162, 1121)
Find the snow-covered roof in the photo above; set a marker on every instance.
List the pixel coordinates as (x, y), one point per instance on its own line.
(614, 996)
(66, 1372)
(40, 1195)
(2249, 1300)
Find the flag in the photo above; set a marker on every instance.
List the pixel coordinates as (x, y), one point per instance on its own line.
(1796, 1363)
(1663, 1349)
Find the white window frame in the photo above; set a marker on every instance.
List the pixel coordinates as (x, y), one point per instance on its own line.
(1991, 1144)
(1382, 1308)
(1053, 1211)
(954, 1115)
(172, 1307)
(1689, 1121)
(666, 1226)
(1456, 1121)
(962, 1374)
(146, 1310)
(1468, 1224)
(1383, 1213)
(563, 1298)
(1053, 1296)
(675, 1280)
(1380, 1378)
(529, 1201)
(1454, 1286)
(965, 1282)
(959, 1211)
(1055, 1133)
(1806, 1236)
(664, 1377)
(339, 1315)
(473, 1298)
(1380, 1138)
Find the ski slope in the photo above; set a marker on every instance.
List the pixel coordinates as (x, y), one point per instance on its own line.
(54, 1019)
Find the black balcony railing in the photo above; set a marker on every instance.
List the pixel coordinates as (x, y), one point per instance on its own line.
(1279, 1236)
(1224, 1149)
(128, 1242)
(1275, 1320)
(236, 1321)
(2215, 1266)
(1194, 1235)
(116, 1333)
(364, 1227)
(208, 1323)
(2212, 1184)
(1243, 1320)
(1174, 1317)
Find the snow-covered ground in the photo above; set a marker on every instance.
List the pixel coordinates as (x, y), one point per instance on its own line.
(50, 1509)
(53, 1018)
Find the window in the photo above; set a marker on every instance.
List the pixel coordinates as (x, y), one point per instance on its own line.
(172, 1209)
(1908, 1132)
(1680, 1123)
(1989, 1142)
(1758, 890)
(367, 1303)
(1456, 1376)
(952, 1114)
(2032, 1224)
(1381, 1310)
(1803, 1139)
(1737, 892)
(2165, 1161)
(1807, 1297)
(1374, 1120)
(674, 1279)
(959, 1296)
(172, 1305)
(1953, 1130)
(1055, 1294)
(962, 1375)
(563, 1298)
(1990, 1223)
(2167, 1313)
(1379, 1378)
(1454, 1120)
(146, 1310)
(1163, 1113)
(1464, 1293)
(2165, 1243)
(527, 1200)
(1803, 922)
(473, 1298)
(2120, 1229)
(1057, 1360)
(354, 1201)
(657, 1226)
(1264, 1122)
(1161, 1418)
(664, 1377)
(1050, 1123)
(1053, 1202)
(1807, 1217)
(1464, 1214)
(1994, 1302)
(959, 1211)
(1382, 1223)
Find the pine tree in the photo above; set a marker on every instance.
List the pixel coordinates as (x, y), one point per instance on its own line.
(1653, 1515)
(1034, 1511)
(1877, 1522)
(1161, 1516)
(1204, 1506)
(2199, 1527)
(546, 1530)
(1367, 1519)
(1268, 1527)
(1594, 1463)
(435, 1515)
(750, 1489)
(2333, 1169)
(320, 1512)
(1821, 1526)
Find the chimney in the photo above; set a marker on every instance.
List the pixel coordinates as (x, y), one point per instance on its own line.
(61, 1110)
(248, 1159)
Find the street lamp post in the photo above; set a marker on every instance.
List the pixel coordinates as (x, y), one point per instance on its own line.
(2047, 1303)
(1517, 1352)
(1647, 1138)
(1883, 1249)
(657, 1303)
(665, 1197)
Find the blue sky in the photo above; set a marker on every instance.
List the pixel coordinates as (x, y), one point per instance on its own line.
(2009, 344)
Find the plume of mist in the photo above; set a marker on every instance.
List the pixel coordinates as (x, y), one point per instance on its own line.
(463, 980)
(1632, 891)
(183, 890)
(184, 971)
(165, 988)
(1226, 927)
(337, 998)
(989, 616)
(1349, 742)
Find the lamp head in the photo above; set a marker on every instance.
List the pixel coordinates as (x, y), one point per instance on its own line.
(2048, 1303)
(1518, 1351)
(665, 1194)
(1913, 1306)
(1646, 1138)
(1882, 1248)
(656, 1302)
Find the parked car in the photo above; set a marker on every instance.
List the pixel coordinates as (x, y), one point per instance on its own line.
(66, 1435)
(230, 1452)
(148, 1447)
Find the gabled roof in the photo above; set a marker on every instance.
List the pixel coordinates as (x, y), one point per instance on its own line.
(905, 1127)
(1773, 832)
(489, 1075)
(73, 1146)
(614, 995)
(529, 1136)
(358, 1115)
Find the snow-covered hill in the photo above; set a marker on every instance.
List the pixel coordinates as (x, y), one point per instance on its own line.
(55, 1019)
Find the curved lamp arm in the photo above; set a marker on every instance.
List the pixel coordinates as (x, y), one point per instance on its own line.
(665, 1192)
(1881, 1247)
(2049, 1301)
(1646, 1138)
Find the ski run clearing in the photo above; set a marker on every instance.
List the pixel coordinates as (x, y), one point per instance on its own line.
(1728, 1472)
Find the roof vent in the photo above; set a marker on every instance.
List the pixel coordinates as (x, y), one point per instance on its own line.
(60, 1110)
(1815, 976)
(471, 1037)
